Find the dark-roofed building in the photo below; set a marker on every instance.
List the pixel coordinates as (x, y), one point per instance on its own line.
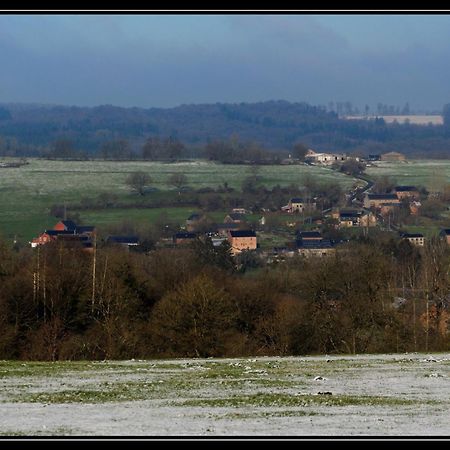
(308, 248)
(377, 200)
(234, 218)
(309, 235)
(65, 228)
(224, 228)
(88, 230)
(183, 238)
(193, 221)
(409, 192)
(241, 240)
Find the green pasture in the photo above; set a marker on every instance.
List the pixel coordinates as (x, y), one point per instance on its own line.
(433, 174)
(28, 192)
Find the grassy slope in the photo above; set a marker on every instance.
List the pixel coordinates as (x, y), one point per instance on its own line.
(26, 193)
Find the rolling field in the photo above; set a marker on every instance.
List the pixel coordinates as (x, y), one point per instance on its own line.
(27, 193)
(429, 173)
(358, 395)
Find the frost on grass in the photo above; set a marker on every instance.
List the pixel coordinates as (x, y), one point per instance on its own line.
(329, 395)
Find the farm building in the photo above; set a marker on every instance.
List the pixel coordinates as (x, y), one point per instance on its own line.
(393, 156)
(378, 200)
(298, 205)
(324, 158)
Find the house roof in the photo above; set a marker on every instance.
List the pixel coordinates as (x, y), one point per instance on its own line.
(350, 214)
(445, 231)
(236, 216)
(85, 229)
(382, 197)
(311, 245)
(69, 224)
(227, 226)
(58, 232)
(309, 234)
(182, 235)
(243, 233)
(412, 235)
(296, 200)
(129, 240)
(405, 188)
(194, 216)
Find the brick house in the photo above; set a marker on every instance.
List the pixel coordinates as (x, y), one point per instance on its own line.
(241, 240)
(67, 231)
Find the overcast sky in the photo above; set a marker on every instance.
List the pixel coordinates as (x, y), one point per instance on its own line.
(168, 60)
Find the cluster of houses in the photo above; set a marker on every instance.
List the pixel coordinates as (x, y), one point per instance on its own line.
(79, 236)
(385, 204)
(328, 159)
(234, 229)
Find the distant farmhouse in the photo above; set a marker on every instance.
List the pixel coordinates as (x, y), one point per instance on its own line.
(324, 158)
(299, 205)
(393, 156)
(379, 200)
(311, 243)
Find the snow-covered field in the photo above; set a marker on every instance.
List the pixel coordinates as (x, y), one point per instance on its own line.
(363, 395)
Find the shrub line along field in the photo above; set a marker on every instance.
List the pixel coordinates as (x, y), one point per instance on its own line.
(396, 394)
(27, 192)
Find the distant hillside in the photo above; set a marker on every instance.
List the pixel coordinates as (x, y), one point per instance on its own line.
(27, 128)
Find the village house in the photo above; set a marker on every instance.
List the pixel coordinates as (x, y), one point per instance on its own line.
(222, 229)
(445, 235)
(324, 158)
(193, 221)
(183, 238)
(379, 200)
(234, 218)
(393, 156)
(408, 192)
(348, 218)
(414, 207)
(62, 232)
(416, 239)
(241, 240)
(298, 205)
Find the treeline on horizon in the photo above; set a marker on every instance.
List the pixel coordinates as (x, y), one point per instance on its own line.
(274, 127)
(375, 295)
